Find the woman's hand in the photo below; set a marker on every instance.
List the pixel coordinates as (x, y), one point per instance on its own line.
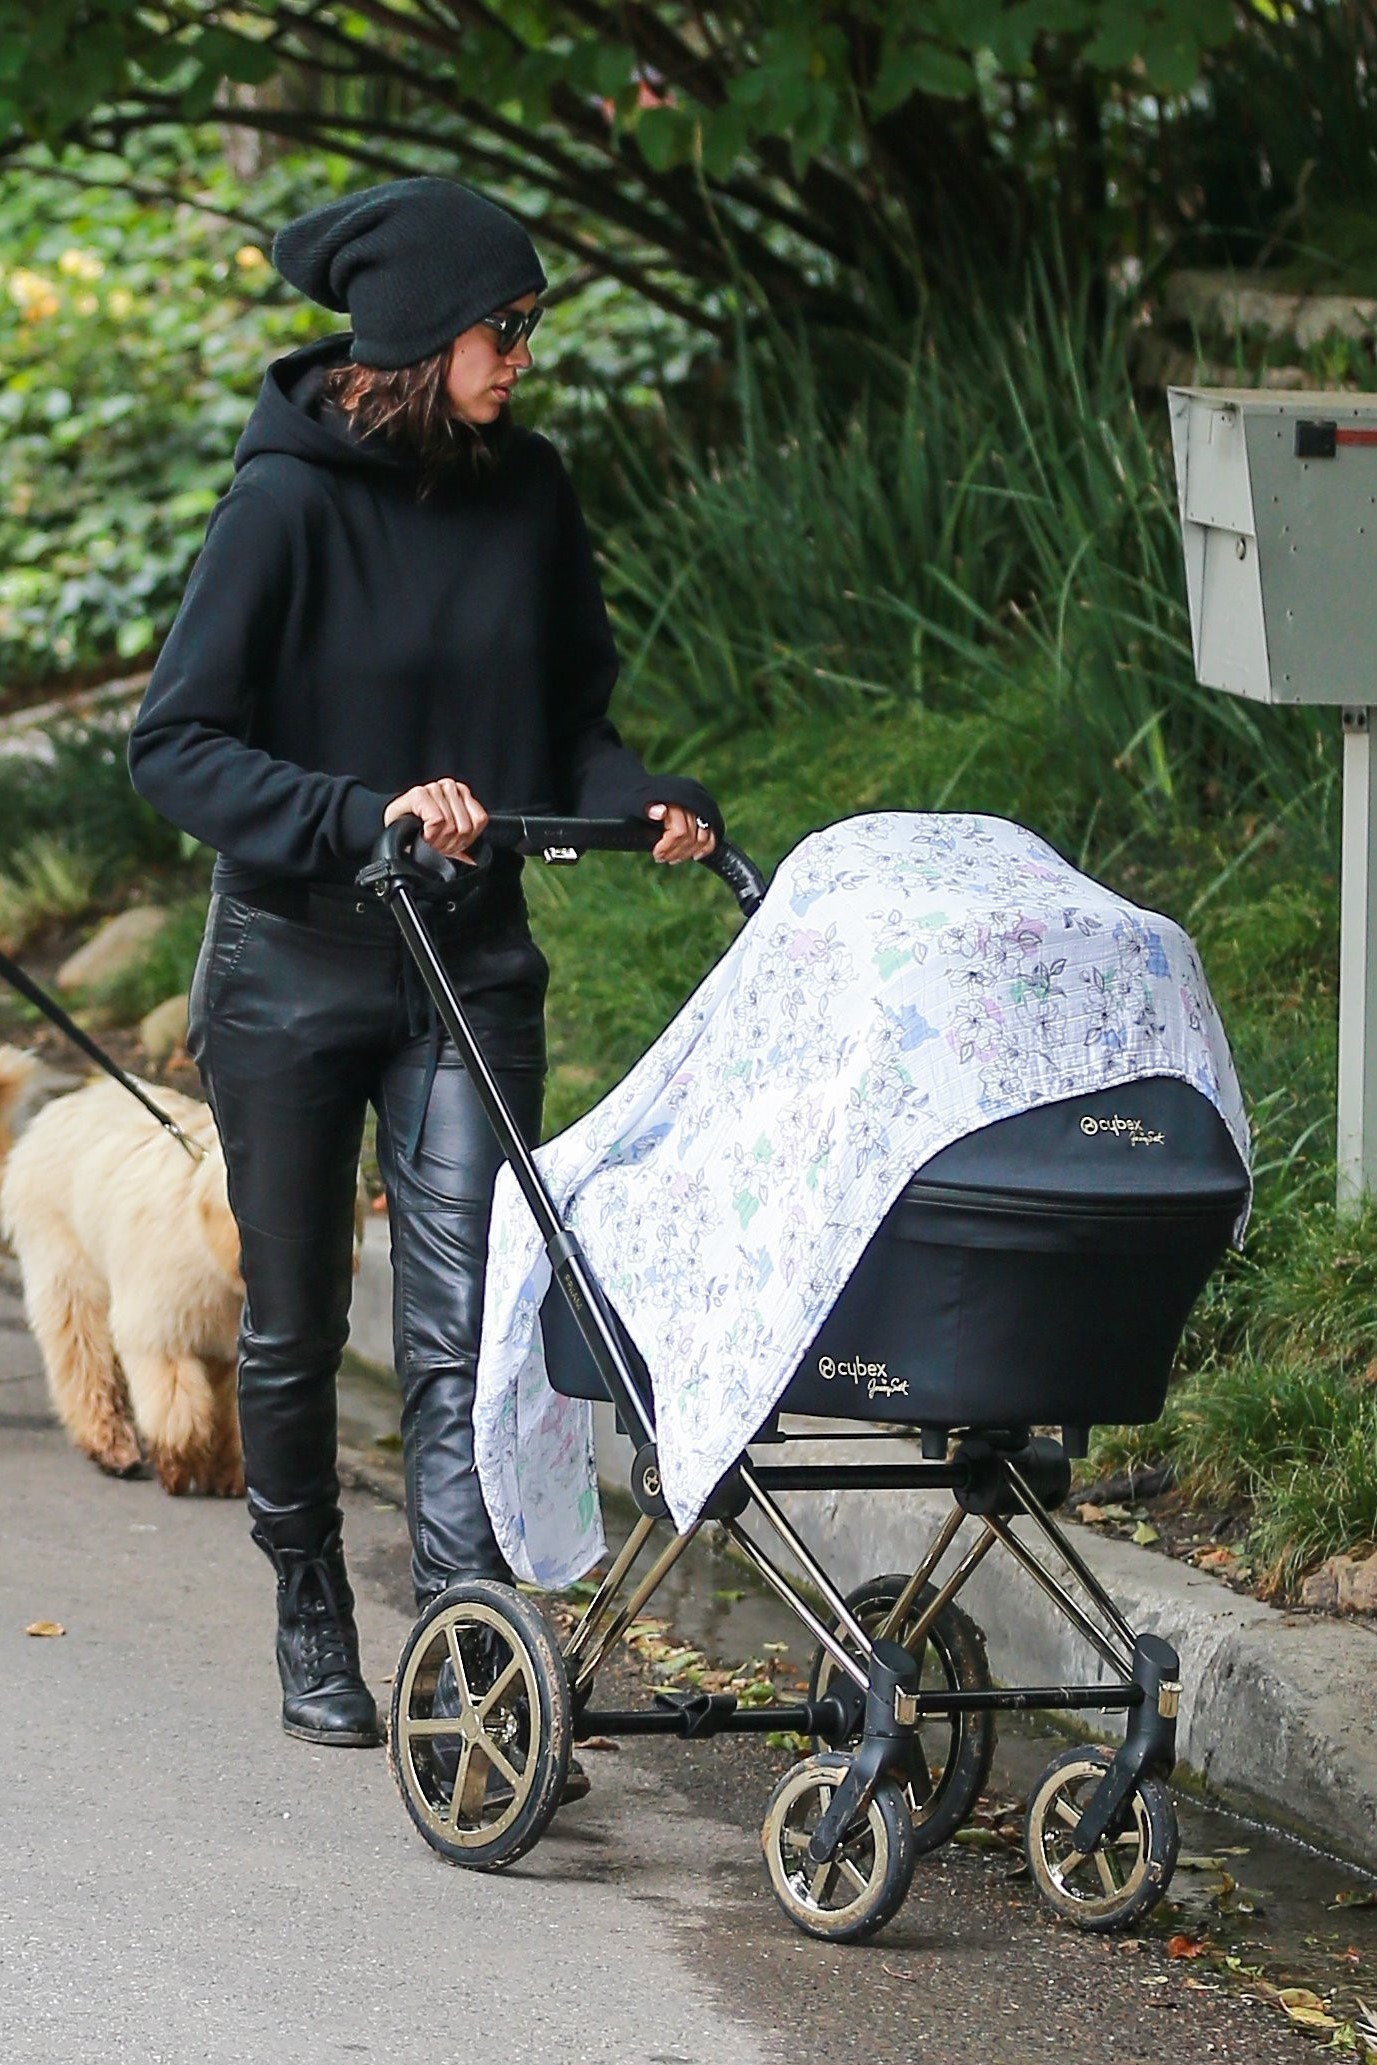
(685, 837)
(452, 818)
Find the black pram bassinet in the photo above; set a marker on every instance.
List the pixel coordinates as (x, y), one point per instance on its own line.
(1037, 1272)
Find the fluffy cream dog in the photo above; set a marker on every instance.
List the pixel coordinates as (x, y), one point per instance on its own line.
(130, 1260)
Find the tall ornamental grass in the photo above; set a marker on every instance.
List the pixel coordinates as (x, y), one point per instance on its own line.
(994, 516)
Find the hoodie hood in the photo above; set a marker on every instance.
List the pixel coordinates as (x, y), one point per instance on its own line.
(291, 415)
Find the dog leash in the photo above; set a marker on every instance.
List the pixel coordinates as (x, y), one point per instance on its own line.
(14, 975)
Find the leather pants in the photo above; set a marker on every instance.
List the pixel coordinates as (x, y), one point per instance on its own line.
(298, 1023)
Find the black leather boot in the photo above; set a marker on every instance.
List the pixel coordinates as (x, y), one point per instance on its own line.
(324, 1697)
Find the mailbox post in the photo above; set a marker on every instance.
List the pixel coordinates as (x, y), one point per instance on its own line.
(1278, 500)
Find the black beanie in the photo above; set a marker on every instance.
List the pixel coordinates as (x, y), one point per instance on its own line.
(414, 262)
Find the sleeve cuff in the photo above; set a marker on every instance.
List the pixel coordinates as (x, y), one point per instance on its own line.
(680, 789)
(361, 820)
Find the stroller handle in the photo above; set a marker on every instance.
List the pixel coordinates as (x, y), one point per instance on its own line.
(400, 842)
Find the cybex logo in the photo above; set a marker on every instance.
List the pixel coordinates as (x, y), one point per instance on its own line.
(875, 1376)
(1139, 1135)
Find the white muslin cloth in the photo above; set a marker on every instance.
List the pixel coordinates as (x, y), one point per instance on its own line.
(908, 979)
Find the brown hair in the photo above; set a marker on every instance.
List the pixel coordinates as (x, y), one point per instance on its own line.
(409, 407)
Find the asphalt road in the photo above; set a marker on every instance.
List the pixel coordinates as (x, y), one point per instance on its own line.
(179, 1882)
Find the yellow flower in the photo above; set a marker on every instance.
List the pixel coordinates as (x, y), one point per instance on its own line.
(27, 287)
(248, 258)
(80, 265)
(86, 304)
(120, 303)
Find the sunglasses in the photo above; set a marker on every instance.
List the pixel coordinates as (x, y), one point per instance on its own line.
(511, 325)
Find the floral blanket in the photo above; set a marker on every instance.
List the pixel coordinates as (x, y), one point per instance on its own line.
(908, 979)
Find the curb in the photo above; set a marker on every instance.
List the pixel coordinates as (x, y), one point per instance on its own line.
(1277, 1709)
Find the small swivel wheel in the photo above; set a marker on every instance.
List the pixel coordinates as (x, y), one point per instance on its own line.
(952, 1753)
(1125, 1875)
(865, 1883)
(481, 1725)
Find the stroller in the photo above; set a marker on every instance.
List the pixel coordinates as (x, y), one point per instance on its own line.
(1035, 1274)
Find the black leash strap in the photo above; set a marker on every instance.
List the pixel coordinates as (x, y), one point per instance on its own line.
(14, 975)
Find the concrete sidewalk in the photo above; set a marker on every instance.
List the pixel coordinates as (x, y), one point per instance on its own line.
(1278, 1711)
(179, 1882)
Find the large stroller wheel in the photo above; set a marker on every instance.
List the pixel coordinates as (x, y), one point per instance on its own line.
(482, 1768)
(952, 1753)
(1128, 1871)
(865, 1884)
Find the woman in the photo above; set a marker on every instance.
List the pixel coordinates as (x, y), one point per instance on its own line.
(396, 611)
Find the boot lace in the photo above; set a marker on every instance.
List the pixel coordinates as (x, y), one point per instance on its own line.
(314, 1599)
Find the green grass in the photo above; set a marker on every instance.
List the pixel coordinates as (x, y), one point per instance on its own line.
(993, 527)
(45, 880)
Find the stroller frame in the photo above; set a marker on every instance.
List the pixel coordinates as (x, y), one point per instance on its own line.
(871, 1704)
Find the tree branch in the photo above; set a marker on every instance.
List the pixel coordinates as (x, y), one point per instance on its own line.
(159, 196)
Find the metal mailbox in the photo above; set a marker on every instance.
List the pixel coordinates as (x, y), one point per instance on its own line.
(1278, 501)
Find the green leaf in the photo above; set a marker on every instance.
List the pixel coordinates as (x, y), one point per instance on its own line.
(1117, 43)
(918, 68)
(613, 64)
(724, 139)
(1172, 62)
(665, 137)
(134, 637)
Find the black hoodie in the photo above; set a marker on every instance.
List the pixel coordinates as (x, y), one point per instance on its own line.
(341, 639)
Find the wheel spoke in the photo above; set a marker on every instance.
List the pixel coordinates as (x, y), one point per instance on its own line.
(486, 1747)
(854, 1874)
(461, 1676)
(1107, 1878)
(469, 1788)
(820, 1881)
(1064, 1811)
(919, 1772)
(435, 1725)
(497, 1688)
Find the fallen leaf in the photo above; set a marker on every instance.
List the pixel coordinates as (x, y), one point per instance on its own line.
(1090, 1514)
(599, 1742)
(1354, 1896)
(1145, 1534)
(45, 1627)
(972, 1837)
(1187, 1946)
(1305, 2007)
